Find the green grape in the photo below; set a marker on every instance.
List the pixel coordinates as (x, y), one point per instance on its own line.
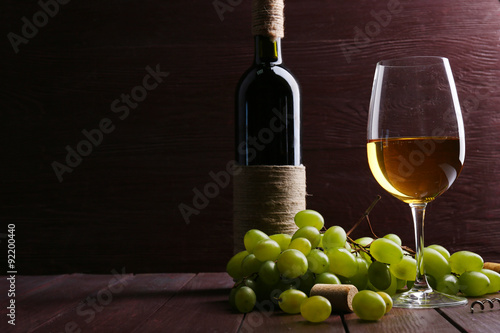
(366, 256)
(263, 291)
(302, 244)
(494, 280)
(410, 283)
(368, 305)
(292, 263)
(387, 300)
(393, 287)
(320, 240)
(327, 278)
(473, 283)
(431, 281)
(435, 264)
(317, 261)
(334, 237)
(250, 283)
(463, 261)
(316, 309)
(400, 284)
(290, 300)
(282, 239)
(386, 251)
(342, 262)
(447, 284)
(292, 283)
(267, 249)
(395, 238)
(306, 282)
(244, 299)
(253, 237)
(344, 280)
(310, 233)
(360, 279)
(406, 269)
(233, 267)
(364, 241)
(260, 289)
(250, 264)
(231, 297)
(309, 217)
(444, 252)
(273, 295)
(269, 273)
(379, 275)
(285, 284)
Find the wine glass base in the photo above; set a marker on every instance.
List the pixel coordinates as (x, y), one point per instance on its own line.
(426, 299)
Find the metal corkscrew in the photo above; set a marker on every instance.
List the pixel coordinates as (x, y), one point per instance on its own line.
(481, 303)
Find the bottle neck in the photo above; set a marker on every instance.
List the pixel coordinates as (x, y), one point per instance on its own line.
(267, 51)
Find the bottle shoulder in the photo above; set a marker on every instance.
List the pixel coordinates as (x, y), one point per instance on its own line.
(264, 74)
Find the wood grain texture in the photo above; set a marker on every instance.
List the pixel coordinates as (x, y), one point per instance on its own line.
(278, 321)
(24, 285)
(120, 206)
(131, 303)
(39, 305)
(205, 296)
(401, 320)
(185, 302)
(479, 321)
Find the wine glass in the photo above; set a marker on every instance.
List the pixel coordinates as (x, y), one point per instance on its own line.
(416, 148)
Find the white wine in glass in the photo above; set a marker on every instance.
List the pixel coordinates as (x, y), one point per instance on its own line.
(416, 148)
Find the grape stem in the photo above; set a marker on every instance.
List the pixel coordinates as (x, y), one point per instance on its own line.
(365, 215)
(361, 247)
(370, 226)
(409, 249)
(243, 281)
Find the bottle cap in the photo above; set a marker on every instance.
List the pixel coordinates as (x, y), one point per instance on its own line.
(268, 18)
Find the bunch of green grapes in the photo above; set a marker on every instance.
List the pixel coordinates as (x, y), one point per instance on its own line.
(462, 272)
(283, 268)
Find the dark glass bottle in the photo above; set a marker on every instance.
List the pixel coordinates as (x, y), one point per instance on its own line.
(270, 181)
(268, 115)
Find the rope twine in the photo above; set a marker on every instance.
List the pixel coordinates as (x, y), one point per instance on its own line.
(268, 19)
(267, 197)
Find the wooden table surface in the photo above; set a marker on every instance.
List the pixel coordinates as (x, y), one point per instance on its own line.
(187, 302)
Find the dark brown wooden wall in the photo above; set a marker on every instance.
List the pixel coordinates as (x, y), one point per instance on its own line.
(119, 207)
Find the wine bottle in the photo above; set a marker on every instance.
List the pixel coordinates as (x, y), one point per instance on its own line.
(269, 188)
(268, 100)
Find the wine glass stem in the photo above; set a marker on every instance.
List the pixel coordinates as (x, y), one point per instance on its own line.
(418, 213)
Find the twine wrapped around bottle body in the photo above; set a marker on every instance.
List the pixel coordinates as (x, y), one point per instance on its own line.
(268, 19)
(267, 197)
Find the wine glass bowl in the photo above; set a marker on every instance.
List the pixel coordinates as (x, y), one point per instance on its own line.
(416, 148)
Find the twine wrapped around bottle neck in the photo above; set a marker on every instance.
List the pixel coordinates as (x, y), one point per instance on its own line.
(268, 18)
(267, 197)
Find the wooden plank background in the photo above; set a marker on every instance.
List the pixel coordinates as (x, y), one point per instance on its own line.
(119, 207)
(186, 302)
